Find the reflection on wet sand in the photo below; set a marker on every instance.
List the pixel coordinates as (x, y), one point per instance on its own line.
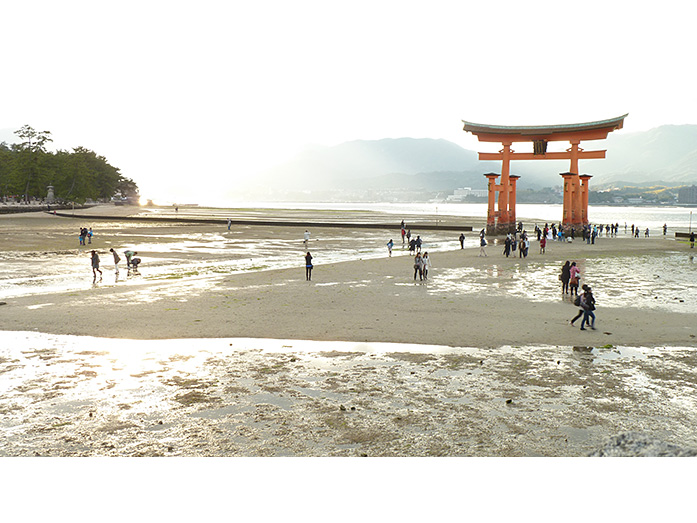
(195, 253)
(649, 281)
(84, 396)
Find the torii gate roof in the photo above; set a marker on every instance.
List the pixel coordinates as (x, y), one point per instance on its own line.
(589, 131)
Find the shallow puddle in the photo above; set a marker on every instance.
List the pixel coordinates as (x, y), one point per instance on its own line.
(193, 254)
(664, 281)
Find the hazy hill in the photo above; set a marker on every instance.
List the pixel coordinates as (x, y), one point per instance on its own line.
(374, 163)
(666, 154)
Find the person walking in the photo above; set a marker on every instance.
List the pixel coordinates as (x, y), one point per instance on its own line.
(306, 237)
(95, 267)
(482, 246)
(574, 278)
(578, 303)
(390, 244)
(419, 242)
(588, 304)
(507, 245)
(526, 245)
(426, 262)
(117, 259)
(565, 276)
(308, 266)
(418, 267)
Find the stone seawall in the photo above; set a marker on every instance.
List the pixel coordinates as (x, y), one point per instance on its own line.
(270, 223)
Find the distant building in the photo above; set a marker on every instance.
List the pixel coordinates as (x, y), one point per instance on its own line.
(687, 194)
(465, 193)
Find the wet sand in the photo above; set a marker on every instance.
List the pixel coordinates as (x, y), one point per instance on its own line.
(492, 369)
(84, 396)
(373, 299)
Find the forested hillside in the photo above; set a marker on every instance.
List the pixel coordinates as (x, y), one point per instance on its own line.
(28, 167)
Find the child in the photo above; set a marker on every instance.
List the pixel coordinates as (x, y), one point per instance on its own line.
(117, 259)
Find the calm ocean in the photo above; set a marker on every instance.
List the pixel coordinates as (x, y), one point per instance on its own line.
(678, 219)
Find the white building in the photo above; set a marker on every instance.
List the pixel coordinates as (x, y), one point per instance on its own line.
(465, 192)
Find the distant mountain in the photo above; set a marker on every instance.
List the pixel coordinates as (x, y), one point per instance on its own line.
(372, 162)
(666, 154)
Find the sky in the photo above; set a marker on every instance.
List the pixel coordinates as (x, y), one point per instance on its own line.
(191, 98)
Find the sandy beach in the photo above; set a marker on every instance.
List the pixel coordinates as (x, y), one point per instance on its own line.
(362, 300)
(490, 365)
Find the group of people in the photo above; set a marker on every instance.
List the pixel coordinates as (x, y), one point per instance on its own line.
(570, 278)
(85, 235)
(523, 245)
(570, 273)
(415, 245)
(550, 233)
(131, 262)
(422, 264)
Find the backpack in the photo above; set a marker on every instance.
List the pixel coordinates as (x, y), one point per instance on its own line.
(577, 301)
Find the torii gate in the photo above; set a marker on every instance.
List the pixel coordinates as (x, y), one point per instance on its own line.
(575, 210)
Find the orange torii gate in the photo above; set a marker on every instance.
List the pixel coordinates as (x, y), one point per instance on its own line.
(575, 209)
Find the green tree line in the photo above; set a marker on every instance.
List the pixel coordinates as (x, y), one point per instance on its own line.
(27, 168)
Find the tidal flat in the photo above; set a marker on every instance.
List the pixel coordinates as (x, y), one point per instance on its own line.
(218, 346)
(87, 396)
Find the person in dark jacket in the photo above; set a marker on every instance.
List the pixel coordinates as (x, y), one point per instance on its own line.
(565, 276)
(308, 266)
(588, 304)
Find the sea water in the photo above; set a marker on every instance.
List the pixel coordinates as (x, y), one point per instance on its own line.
(678, 219)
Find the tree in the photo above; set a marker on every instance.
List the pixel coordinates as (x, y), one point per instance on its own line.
(27, 168)
(6, 168)
(31, 153)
